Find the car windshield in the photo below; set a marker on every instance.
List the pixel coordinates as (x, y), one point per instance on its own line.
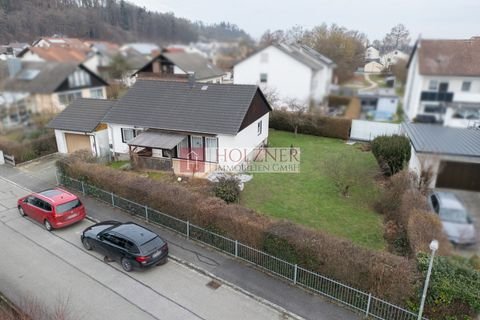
(68, 206)
(453, 215)
(152, 244)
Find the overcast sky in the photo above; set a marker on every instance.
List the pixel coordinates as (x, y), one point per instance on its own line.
(431, 18)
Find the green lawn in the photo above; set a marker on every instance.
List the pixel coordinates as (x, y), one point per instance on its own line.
(310, 197)
(118, 164)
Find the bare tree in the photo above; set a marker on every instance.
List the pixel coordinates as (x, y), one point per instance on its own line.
(296, 114)
(272, 96)
(397, 38)
(340, 168)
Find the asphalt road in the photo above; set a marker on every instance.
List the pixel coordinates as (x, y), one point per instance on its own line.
(55, 269)
(40, 174)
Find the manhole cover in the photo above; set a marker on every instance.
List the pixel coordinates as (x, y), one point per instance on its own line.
(214, 284)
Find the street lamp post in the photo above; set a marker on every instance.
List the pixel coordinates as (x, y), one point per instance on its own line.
(434, 248)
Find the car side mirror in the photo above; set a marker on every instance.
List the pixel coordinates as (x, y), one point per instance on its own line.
(25, 200)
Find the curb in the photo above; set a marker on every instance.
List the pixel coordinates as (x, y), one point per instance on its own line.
(237, 288)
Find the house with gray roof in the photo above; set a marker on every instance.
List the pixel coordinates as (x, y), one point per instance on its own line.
(48, 87)
(452, 155)
(293, 72)
(80, 127)
(178, 64)
(187, 127)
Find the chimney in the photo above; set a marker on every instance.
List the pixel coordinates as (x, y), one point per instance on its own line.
(191, 79)
(14, 66)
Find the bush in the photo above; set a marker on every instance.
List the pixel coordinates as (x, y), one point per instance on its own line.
(409, 226)
(381, 273)
(29, 149)
(424, 226)
(385, 275)
(227, 189)
(312, 124)
(454, 288)
(391, 152)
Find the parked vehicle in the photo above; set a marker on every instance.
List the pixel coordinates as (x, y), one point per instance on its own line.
(130, 244)
(54, 208)
(457, 222)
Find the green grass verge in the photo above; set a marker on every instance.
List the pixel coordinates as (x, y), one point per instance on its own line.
(310, 197)
(118, 164)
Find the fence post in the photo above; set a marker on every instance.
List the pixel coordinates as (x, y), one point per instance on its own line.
(83, 188)
(368, 304)
(295, 269)
(188, 229)
(236, 248)
(146, 213)
(113, 201)
(56, 178)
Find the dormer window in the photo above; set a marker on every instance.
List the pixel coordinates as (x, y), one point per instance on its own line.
(79, 78)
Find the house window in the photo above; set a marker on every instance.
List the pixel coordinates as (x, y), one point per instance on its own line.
(197, 150)
(96, 93)
(264, 57)
(79, 78)
(263, 77)
(211, 146)
(182, 149)
(466, 86)
(67, 98)
(429, 108)
(259, 128)
(433, 85)
(128, 134)
(169, 153)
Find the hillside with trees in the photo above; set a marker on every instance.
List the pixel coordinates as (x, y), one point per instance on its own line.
(114, 20)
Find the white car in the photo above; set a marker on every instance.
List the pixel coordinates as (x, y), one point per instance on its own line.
(457, 222)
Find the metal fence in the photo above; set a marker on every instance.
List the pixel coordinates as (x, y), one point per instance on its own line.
(366, 303)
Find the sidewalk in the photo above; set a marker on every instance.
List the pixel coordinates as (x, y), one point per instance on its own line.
(238, 273)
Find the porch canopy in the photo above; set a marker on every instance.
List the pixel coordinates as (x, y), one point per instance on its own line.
(157, 140)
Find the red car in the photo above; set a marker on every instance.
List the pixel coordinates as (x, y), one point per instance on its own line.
(54, 208)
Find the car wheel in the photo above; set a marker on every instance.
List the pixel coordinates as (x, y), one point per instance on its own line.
(127, 265)
(48, 225)
(162, 262)
(87, 244)
(22, 213)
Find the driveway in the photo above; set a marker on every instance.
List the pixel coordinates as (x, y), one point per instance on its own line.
(471, 200)
(55, 269)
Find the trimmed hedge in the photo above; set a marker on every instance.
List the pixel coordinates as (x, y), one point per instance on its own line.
(383, 274)
(454, 289)
(29, 150)
(311, 123)
(392, 153)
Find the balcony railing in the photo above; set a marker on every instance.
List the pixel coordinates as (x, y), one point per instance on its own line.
(436, 96)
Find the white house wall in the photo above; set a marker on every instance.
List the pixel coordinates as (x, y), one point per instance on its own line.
(288, 77)
(246, 140)
(413, 89)
(115, 138)
(321, 84)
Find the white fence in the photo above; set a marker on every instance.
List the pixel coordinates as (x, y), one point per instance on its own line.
(363, 302)
(364, 130)
(5, 158)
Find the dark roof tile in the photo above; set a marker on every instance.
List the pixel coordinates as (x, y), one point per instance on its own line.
(173, 105)
(82, 115)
